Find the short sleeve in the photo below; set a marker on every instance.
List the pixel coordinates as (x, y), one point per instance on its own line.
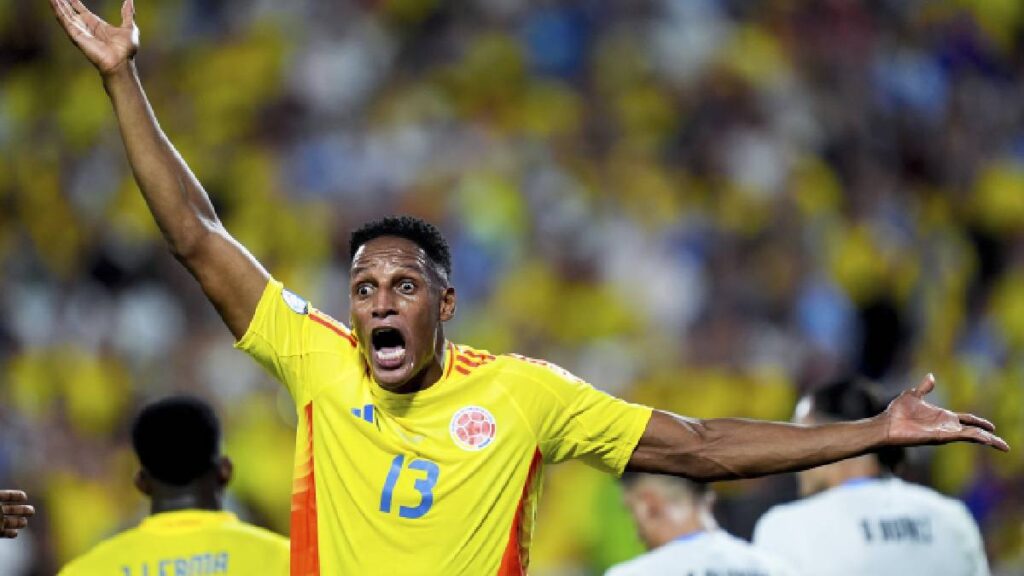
(278, 335)
(578, 421)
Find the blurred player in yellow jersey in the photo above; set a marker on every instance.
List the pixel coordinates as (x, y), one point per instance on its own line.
(177, 441)
(416, 455)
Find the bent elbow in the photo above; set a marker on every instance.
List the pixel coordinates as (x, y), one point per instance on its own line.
(190, 239)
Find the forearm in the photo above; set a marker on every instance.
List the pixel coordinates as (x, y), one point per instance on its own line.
(177, 201)
(727, 448)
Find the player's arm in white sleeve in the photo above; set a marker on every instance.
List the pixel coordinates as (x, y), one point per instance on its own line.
(231, 278)
(730, 448)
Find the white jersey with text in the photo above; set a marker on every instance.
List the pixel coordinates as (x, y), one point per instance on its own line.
(878, 527)
(714, 553)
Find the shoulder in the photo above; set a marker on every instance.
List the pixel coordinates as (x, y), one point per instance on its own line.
(779, 522)
(100, 555)
(653, 562)
(947, 507)
(326, 329)
(788, 513)
(261, 536)
(741, 549)
(536, 371)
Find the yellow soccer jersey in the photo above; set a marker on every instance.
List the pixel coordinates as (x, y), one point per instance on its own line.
(441, 482)
(186, 543)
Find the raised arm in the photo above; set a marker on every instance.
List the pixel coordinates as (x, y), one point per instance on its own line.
(231, 278)
(14, 512)
(728, 448)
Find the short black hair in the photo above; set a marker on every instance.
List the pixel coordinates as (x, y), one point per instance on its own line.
(848, 398)
(177, 439)
(419, 231)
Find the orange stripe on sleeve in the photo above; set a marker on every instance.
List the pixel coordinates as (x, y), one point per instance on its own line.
(469, 362)
(323, 321)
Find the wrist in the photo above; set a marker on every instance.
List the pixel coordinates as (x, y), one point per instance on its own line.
(877, 428)
(124, 71)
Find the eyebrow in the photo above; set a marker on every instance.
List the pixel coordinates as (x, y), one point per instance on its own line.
(361, 269)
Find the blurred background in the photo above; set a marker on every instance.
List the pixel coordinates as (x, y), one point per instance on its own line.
(707, 206)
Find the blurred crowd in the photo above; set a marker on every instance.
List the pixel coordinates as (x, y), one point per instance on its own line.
(707, 206)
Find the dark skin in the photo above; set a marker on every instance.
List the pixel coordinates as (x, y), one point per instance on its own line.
(204, 493)
(14, 512)
(233, 280)
(394, 285)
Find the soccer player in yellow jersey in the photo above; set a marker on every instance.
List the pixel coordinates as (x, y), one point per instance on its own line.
(14, 512)
(416, 455)
(177, 441)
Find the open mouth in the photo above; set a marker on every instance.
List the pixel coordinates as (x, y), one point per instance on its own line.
(388, 347)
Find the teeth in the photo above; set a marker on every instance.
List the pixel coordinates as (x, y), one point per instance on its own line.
(391, 353)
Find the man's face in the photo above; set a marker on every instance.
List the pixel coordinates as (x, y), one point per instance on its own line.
(642, 503)
(397, 304)
(817, 479)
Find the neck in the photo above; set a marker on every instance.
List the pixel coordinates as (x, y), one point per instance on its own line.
(687, 524)
(861, 467)
(186, 501)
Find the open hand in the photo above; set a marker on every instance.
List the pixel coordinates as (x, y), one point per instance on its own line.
(912, 421)
(14, 513)
(109, 48)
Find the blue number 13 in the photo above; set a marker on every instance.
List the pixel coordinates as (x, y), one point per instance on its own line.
(425, 486)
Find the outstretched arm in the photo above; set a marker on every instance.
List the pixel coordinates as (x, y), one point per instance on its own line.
(231, 278)
(728, 448)
(14, 513)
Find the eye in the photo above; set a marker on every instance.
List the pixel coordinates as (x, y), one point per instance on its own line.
(363, 290)
(406, 287)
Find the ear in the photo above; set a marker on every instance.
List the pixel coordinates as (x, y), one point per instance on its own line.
(447, 304)
(143, 483)
(225, 470)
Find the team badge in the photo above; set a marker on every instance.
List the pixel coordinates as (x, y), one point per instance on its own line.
(297, 303)
(472, 428)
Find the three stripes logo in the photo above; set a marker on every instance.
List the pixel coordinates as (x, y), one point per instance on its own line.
(468, 360)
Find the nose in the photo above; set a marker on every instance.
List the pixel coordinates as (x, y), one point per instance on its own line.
(383, 305)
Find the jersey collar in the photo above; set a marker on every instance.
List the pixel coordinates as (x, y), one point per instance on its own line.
(186, 520)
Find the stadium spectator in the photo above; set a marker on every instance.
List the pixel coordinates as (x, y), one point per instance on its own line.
(675, 521)
(858, 518)
(183, 473)
(403, 434)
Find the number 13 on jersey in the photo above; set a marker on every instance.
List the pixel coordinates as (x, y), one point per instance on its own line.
(427, 473)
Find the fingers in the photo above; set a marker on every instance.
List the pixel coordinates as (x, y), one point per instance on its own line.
(980, 436)
(15, 522)
(972, 420)
(8, 533)
(926, 386)
(71, 23)
(127, 13)
(13, 496)
(80, 8)
(18, 510)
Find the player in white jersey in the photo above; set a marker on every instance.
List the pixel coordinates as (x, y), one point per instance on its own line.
(857, 519)
(673, 517)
